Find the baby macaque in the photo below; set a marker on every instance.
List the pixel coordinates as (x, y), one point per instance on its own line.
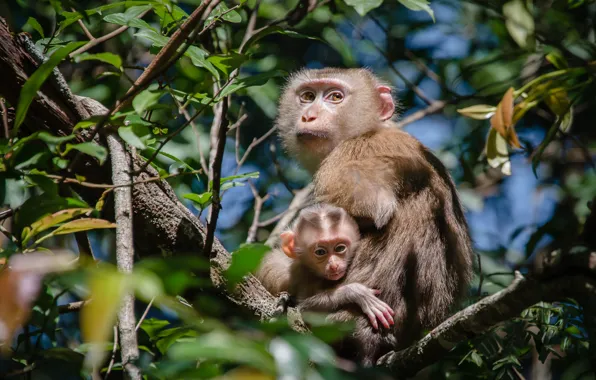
(417, 251)
(321, 245)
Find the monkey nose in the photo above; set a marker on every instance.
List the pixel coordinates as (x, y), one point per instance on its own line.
(308, 118)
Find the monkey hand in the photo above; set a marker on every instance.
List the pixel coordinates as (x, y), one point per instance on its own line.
(283, 302)
(374, 308)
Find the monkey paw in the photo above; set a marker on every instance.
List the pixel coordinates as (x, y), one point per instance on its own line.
(283, 302)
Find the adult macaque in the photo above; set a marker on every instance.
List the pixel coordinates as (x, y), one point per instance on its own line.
(336, 122)
(321, 245)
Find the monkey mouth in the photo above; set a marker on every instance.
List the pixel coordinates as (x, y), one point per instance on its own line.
(309, 134)
(335, 276)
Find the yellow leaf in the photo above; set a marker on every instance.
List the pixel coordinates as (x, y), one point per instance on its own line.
(54, 219)
(83, 224)
(557, 101)
(479, 111)
(97, 318)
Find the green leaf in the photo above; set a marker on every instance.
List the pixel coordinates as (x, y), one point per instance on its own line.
(72, 17)
(173, 158)
(126, 17)
(251, 175)
(556, 58)
(476, 358)
(33, 23)
(364, 6)
(166, 338)
(91, 149)
(222, 346)
(254, 80)
(152, 326)
(419, 5)
(90, 122)
(245, 260)
(36, 80)
(130, 137)
(233, 16)
(110, 58)
(519, 22)
(198, 58)
(156, 38)
(146, 99)
(229, 62)
(275, 29)
(202, 200)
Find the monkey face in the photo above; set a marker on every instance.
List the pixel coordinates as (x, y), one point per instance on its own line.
(329, 258)
(321, 108)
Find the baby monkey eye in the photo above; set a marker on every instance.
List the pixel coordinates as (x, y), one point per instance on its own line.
(335, 97)
(320, 251)
(340, 248)
(307, 96)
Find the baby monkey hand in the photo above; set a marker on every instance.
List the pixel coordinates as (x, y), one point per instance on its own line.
(374, 308)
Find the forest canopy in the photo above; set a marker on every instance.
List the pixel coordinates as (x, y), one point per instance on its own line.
(143, 182)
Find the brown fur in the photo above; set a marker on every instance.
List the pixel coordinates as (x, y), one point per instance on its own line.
(326, 227)
(420, 254)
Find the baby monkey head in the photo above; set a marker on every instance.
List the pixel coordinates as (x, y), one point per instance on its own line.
(323, 239)
(321, 108)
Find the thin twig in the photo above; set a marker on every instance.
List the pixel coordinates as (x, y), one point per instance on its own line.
(72, 307)
(177, 131)
(390, 65)
(195, 129)
(96, 41)
(110, 186)
(85, 30)
(271, 220)
(433, 108)
(145, 313)
(5, 117)
(114, 349)
(255, 142)
(278, 170)
(259, 201)
(216, 175)
(480, 274)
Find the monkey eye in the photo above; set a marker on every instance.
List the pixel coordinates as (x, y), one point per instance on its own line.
(340, 248)
(320, 251)
(307, 97)
(335, 97)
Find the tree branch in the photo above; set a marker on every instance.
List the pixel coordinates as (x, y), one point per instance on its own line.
(222, 130)
(121, 164)
(569, 276)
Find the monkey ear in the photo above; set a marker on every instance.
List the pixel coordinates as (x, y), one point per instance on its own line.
(288, 244)
(387, 105)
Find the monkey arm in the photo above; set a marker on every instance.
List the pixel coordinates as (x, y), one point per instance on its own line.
(355, 293)
(365, 189)
(274, 272)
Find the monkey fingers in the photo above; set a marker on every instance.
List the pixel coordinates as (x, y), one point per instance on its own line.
(376, 309)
